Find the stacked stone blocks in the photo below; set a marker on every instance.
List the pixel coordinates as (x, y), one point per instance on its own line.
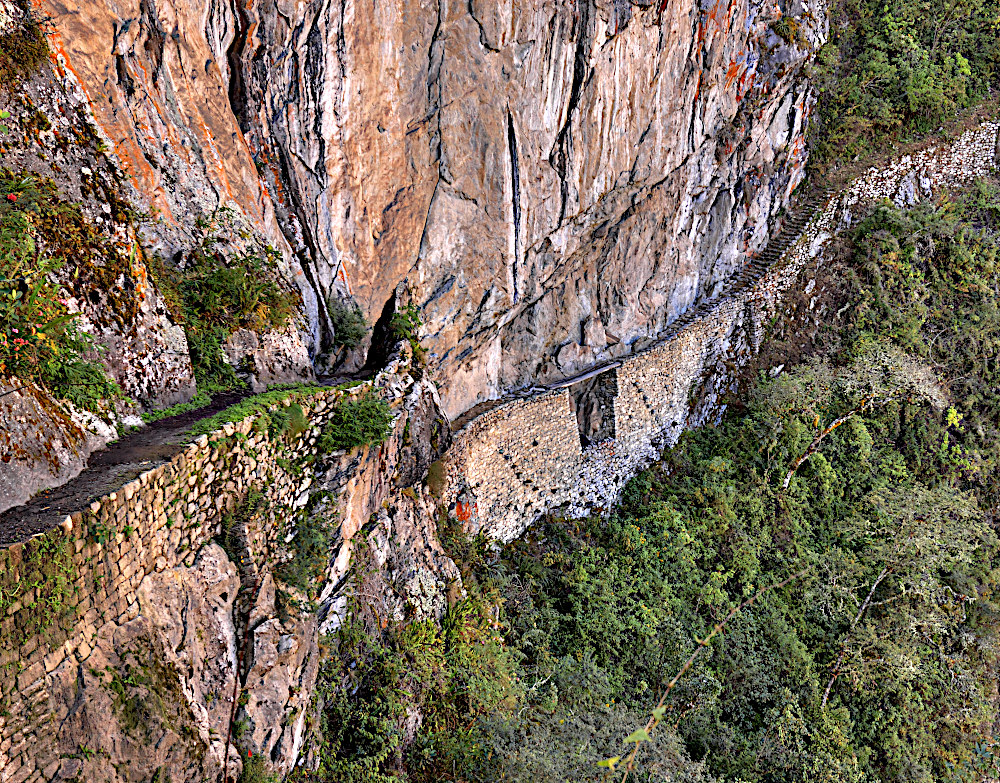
(59, 588)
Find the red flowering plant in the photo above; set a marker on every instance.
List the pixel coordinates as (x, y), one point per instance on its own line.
(39, 340)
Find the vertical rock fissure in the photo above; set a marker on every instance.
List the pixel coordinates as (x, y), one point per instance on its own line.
(307, 249)
(560, 152)
(234, 56)
(435, 57)
(515, 199)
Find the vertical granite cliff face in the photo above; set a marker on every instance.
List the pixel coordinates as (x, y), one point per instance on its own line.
(552, 181)
(549, 181)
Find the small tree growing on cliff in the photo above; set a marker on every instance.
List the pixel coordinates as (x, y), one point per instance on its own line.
(828, 395)
(354, 423)
(349, 324)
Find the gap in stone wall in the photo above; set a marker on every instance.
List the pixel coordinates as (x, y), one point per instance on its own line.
(593, 402)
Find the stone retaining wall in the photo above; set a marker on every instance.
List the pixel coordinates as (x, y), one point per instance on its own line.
(59, 590)
(524, 457)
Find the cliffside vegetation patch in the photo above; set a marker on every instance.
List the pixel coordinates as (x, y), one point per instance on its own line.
(215, 289)
(866, 471)
(349, 325)
(23, 49)
(40, 237)
(892, 71)
(258, 405)
(358, 422)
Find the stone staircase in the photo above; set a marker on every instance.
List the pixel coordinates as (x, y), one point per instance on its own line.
(758, 265)
(788, 235)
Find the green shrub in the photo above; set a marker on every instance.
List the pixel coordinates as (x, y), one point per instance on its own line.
(787, 29)
(359, 422)
(310, 554)
(217, 291)
(255, 770)
(288, 422)
(404, 325)
(349, 325)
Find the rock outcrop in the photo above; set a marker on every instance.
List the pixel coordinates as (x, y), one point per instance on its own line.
(183, 608)
(550, 181)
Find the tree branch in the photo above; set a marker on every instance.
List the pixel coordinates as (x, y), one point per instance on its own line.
(657, 715)
(814, 446)
(843, 650)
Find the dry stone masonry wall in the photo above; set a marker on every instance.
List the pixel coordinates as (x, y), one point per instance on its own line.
(523, 458)
(134, 590)
(141, 563)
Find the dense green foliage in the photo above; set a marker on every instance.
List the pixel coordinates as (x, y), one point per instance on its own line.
(349, 325)
(458, 675)
(215, 291)
(894, 70)
(356, 422)
(255, 770)
(878, 663)
(39, 340)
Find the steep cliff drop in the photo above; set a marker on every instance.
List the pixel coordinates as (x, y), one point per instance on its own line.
(636, 154)
(510, 192)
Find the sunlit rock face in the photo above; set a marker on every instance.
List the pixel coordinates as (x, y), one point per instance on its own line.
(550, 181)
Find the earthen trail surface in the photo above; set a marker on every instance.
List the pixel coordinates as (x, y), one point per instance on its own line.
(107, 470)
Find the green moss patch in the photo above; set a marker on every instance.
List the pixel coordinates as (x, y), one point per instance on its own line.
(23, 50)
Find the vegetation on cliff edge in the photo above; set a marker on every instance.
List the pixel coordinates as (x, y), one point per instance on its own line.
(217, 289)
(23, 49)
(893, 71)
(868, 468)
(40, 236)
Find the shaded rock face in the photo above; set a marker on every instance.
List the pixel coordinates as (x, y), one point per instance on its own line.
(42, 444)
(155, 693)
(550, 181)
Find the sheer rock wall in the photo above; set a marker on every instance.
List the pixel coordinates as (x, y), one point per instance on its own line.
(550, 180)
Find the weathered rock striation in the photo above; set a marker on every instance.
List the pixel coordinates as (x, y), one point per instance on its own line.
(550, 182)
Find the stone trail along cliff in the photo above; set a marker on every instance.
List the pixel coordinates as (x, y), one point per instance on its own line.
(125, 619)
(548, 182)
(103, 573)
(535, 454)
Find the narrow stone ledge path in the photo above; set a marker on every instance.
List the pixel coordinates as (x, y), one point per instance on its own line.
(107, 470)
(754, 270)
